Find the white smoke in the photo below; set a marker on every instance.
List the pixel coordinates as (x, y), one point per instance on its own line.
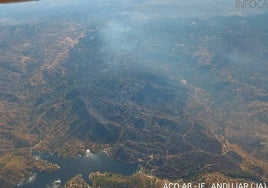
(29, 180)
(88, 153)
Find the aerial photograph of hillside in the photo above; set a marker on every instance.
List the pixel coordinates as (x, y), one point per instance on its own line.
(134, 94)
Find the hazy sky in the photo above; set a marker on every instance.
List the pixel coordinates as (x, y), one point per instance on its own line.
(178, 8)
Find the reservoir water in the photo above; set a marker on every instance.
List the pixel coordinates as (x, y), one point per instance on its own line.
(69, 167)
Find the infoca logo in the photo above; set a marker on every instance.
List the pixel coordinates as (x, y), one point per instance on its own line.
(251, 4)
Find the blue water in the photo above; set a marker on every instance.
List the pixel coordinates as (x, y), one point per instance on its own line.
(79, 165)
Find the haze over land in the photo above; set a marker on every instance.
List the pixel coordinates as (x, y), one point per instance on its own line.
(179, 87)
